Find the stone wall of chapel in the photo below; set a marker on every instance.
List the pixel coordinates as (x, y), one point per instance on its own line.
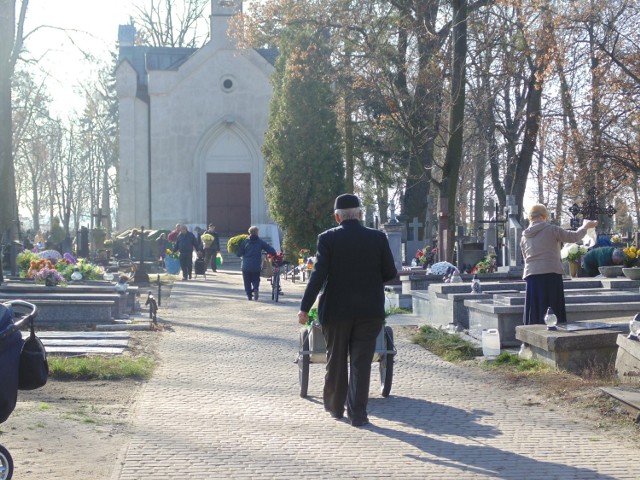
(190, 105)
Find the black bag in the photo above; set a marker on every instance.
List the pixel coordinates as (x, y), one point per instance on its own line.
(199, 266)
(34, 368)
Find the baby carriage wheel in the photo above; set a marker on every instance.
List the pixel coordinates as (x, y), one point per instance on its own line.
(6, 464)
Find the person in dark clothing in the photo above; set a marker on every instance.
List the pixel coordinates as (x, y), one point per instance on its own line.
(211, 247)
(186, 243)
(251, 252)
(352, 264)
(601, 257)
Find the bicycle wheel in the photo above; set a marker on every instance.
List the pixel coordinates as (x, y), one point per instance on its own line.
(276, 286)
(6, 464)
(303, 364)
(386, 364)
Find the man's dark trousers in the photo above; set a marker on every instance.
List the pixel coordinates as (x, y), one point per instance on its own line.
(351, 341)
(186, 264)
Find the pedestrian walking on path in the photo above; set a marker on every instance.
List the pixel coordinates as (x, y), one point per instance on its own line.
(352, 264)
(250, 250)
(186, 244)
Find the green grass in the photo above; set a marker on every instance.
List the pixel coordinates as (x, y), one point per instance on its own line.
(397, 311)
(449, 347)
(510, 361)
(100, 368)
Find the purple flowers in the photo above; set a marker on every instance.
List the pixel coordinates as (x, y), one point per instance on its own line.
(69, 258)
(48, 276)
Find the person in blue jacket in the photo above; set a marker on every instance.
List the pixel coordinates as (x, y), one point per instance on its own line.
(186, 243)
(352, 264)
(251, 252)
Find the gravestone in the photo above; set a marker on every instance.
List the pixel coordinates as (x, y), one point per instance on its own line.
(393, 229)
(491, 232)
(512, 253)
(83, 242)
(414, 242)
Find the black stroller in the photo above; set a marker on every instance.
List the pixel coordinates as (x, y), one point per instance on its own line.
(13, 315)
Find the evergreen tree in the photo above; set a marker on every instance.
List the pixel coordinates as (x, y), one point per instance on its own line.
(304, 167)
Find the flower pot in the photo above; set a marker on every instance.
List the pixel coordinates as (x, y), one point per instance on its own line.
(632, 273)
(611, 272)
(172, 265)
(573, 269)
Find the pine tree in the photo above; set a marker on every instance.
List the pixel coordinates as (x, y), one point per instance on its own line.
(304, 166)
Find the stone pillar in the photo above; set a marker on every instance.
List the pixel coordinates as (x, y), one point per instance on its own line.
(460, 246)
(394, 234)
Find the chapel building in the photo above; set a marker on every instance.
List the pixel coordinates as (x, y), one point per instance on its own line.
(192, 123)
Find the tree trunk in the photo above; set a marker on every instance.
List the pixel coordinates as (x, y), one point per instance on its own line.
(453, 158)
(8, 207)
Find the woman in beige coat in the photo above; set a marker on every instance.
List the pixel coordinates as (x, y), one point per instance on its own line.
(541, 243)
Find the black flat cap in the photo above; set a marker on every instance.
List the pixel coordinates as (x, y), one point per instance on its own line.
(346, 200)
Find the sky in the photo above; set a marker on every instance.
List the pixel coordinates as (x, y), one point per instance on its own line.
(91, 24)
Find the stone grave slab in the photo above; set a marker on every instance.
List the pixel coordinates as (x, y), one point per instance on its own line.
(83, 343)
(118, 302)
(573, 350)
(629, 399)
(628, 359)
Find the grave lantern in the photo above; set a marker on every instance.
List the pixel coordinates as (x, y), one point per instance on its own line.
(550, 319)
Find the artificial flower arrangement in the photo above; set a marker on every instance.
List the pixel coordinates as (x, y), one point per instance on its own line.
(48, 275)
(426, 256)
(89, 271)
(172, 254)
(630, 256)
(32, 264)
(487, 265)
(572, 252)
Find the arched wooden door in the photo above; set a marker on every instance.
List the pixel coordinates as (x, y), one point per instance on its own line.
(229, 202)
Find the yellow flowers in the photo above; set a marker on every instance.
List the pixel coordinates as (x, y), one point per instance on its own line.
(630, 256)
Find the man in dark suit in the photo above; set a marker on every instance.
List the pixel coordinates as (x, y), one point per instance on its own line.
(352, 264)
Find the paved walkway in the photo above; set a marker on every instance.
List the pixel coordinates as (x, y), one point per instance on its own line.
(225, 403)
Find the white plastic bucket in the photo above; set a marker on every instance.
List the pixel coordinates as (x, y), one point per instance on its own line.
(490, 343)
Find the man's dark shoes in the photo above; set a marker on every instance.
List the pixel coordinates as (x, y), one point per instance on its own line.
(359, 422)
(336, 415)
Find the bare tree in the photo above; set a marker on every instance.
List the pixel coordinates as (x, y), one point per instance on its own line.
(172, 23)
(11, 39)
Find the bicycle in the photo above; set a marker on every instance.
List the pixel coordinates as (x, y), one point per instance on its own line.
(277, 261)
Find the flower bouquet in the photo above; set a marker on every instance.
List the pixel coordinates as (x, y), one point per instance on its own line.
(487, 265)
(426, 256)
(572, 252)
(630, 256)
(207, 240)
(49, 276)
